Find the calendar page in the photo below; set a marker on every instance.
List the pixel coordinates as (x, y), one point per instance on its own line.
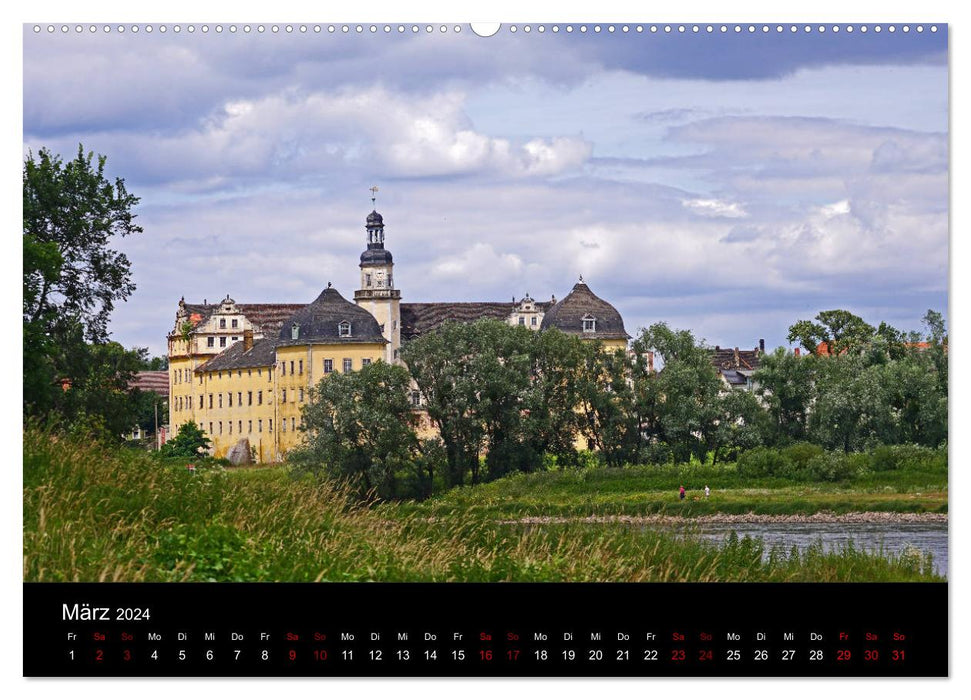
(488, 350)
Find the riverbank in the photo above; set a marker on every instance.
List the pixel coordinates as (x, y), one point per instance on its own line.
(652, 492)
(739, 518)
(93, 514)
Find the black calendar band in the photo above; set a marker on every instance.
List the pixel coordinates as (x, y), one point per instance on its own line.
(458, 629)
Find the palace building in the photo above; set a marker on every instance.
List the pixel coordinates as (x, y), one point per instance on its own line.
(242, 372)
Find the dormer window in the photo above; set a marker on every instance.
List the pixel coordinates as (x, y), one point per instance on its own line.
(295, 331)
(344, 329)
(589, 324)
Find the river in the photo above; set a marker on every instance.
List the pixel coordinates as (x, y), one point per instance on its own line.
(892, 537)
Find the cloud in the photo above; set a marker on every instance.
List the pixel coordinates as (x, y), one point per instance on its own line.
(731, 209)
(288, 135)
(715, 208)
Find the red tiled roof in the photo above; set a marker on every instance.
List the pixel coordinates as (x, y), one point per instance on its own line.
(152, 381)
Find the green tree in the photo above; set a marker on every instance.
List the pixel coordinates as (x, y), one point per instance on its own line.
(72, 279)
(741, 424)
(191, 441)
(559, 364)
(440, 363)
(608, 417)
(680, 402)
(359, 426)
(786, 384)
(841, 330)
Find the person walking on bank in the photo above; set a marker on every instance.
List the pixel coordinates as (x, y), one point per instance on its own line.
(681, 493)
(707, 491)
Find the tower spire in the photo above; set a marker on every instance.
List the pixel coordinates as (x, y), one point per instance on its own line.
(374, 192)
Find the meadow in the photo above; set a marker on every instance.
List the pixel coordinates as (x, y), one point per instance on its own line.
(103, 514)
(653, 490)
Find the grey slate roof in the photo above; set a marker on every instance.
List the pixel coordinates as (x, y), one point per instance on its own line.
(262, 354)
(567, 315)
(376, 256)
(319, 321)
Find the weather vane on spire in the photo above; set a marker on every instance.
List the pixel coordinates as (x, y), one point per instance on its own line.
(374, 191)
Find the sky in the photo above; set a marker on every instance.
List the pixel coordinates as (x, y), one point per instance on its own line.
(730, 183)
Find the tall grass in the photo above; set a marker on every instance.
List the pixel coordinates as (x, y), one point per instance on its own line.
(96, 515)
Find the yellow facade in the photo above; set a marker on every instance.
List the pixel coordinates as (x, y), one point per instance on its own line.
(261, 404)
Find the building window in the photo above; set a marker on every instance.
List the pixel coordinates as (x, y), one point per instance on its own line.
(415, 399)
(210, 427)
(259, 398)
(230, 397)
(348, 365)
(259, 373)
(532, 321)
(210, 400)
(271, 425)
(300, 367)
(189, 398)
(222, 323)
(220, 427)
(397, 352)
(230, 424)
(200, 379)
(222, 342)
(293, 424)
(522, 320)
(250, 427)
(284, 396)
(202, 401)
(283, 369)
(235, 323)
(365, 362)
(220, 401)
(241, 427)
(589, 324)
(235, 338)
(295, 331)
(344, 329)
(291, 367)
(211, 342)
(239, 402)
(283, 426)
(301, 396)
(249, 402)
(259, 425)
(367, 279)
(328, 366)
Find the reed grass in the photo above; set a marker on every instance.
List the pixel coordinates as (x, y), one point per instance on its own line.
(94, 514)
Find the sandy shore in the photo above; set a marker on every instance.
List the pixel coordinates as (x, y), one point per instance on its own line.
(721, 518)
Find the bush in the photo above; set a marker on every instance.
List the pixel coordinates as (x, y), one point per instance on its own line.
(829, 466)
(764, 461)
(802, 453)
(893, 457)
(656, 453)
